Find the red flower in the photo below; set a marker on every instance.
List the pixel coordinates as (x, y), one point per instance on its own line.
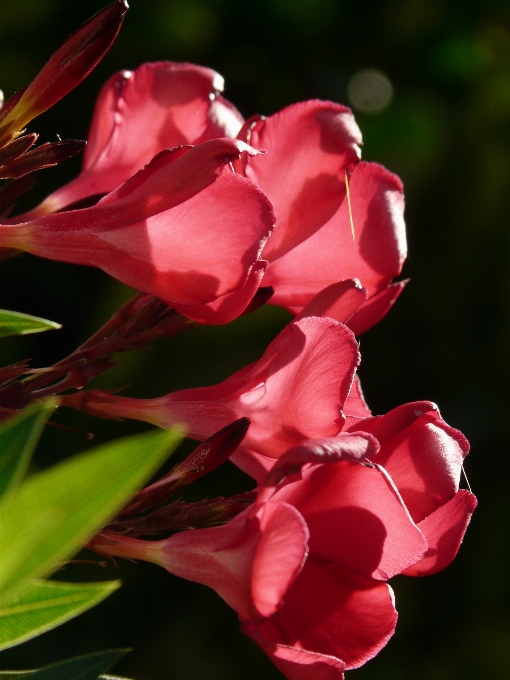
(336, 612)
(237, 559)
(294, 392)
(322, 235)
(185, 229)
(140, 113)
(366, 526)
(312, 155)
(424, 457)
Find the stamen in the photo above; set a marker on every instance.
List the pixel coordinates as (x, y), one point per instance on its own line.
(465, 477)
(349, 205)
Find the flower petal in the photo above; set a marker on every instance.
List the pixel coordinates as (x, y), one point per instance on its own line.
(308, 147)
(375, 256)
(254, 464)
(295, 663)
(334, 612)
(250, 562)
(444, 530)
(355, 404)
(280, 555)
(227, 307)
(354, 447)
(375, 308)
(338, 301)
(307, 382)
(356, 519)
(183, 105)
(423, 455)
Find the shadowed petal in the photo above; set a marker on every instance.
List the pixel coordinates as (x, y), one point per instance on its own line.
(182, 103)
(295, 663)
(356, 519)
(308, 146)
(355, 404)
(250, 562)
(338, 301)
(375, 308)
(375, 256)
(334, 612)
(444, 530)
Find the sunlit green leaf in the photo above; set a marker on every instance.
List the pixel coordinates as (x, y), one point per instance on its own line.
(56, 511)
(18, 437)
(16, 323)
(43, 605)
(87, 667)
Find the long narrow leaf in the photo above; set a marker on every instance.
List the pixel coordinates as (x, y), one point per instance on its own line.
(87, 667)
(56, 511)
(16, 323)
(18, 438)
(43, 605)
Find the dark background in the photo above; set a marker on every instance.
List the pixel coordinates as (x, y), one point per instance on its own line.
(447, 134)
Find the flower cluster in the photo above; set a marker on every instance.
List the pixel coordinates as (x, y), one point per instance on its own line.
(208, 215)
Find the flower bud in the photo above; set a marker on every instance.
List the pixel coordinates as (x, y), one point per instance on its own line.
(70, 64)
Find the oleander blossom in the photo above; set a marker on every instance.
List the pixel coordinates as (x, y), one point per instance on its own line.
(303, 387)
(164, 214)
(306, 566)
(379, 496)
(321, 236)
(399, 512)
(295, 391)
(185, 229)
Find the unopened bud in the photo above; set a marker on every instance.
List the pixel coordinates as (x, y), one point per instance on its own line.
(204, 459)
(70, 64)
(44, 156)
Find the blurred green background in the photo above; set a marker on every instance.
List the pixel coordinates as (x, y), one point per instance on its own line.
(446, 132)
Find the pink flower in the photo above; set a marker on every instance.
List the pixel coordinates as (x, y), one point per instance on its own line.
(185, 229)
(252, 560)
(140, 113)
(366, 524)
(294, 392)
(237, 559)
(322, 235)
(351, 523)
(312, 154)
(303, 387)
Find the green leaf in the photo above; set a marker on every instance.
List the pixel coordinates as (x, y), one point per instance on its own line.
(87, 667)
(16, 323)
(58, 510)
(43, 605)
(18, 438)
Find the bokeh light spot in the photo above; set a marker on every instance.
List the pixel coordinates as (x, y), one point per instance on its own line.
(370, 91)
